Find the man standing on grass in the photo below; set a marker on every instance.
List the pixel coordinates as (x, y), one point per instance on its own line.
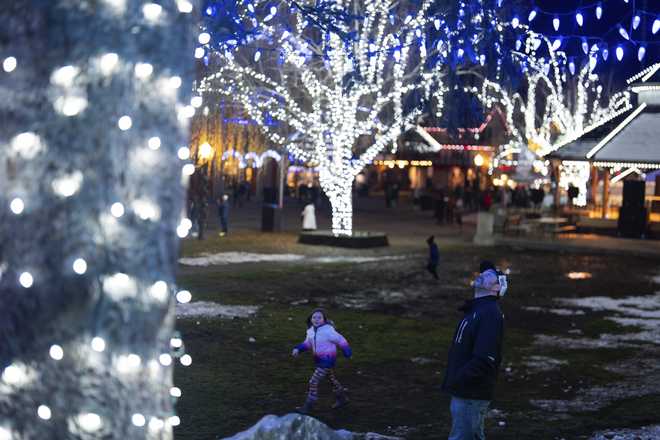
(475, 356)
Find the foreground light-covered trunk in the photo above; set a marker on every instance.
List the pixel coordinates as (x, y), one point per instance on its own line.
(91, 196)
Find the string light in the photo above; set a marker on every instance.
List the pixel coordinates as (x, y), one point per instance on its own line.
(44, 412)
(80, 266)
(125, 123)
(56, 352)
(117, 209)
(9, 64)
(98, 344)
(26, 279)
(183, 296)
(17, 206)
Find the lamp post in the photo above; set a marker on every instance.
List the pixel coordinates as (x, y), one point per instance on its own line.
(478, 162)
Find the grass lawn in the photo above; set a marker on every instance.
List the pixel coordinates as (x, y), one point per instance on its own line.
(399, 323)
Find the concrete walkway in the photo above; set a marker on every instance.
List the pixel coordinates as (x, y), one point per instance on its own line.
(407, 227)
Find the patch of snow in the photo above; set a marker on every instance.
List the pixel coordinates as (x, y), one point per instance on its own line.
(224, 258)
(347, 259)
(206, 309)
(422, 360)
(645, 433)
(638, 306)
(237, 257)
(543, 363)
(560, 312)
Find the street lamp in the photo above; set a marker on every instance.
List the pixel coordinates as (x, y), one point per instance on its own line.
(205, 151)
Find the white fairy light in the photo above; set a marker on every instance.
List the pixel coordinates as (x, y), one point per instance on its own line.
(9, 64)
(165, 359)
(109, 63)
(90, 422)
(175, 392)
(188, 169)
(64, 76)
(154, 143)
(16, 375)
(175, 82)
(125, 123)
(27, 145)
(56, 352)
(156, 424)
(183, 153)
(158, 291)
(199, 52)
(184, 6)
(16, 205)
(67, 185)
(204, 38)
(44, 412)
(26, 280)
(98, 344)
(143, 70)
(196, 101)
(174, 420)
(5, 434)
(80, 266)
(152, 11)
(120, 286)
(146, 209)
(117, 210)
(138, 420)
(186, 360)
(183, 296)
(188, 111)
(176, 342)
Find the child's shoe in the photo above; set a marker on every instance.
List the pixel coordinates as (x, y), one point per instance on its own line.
(306, 408)
(341, 400)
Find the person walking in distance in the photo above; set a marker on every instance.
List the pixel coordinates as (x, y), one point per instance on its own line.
(475, 355)
(322, 339)
(434, 257)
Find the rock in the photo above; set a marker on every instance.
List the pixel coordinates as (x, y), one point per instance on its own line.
(291, 427)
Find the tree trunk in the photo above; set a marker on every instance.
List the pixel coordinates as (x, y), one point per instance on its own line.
(90, 202)
(340, 195)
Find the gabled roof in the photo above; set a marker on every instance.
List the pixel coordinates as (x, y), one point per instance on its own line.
(635, 140)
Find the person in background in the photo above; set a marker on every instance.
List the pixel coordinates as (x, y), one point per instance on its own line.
(434, 257)
(309, 218)
(475, 355)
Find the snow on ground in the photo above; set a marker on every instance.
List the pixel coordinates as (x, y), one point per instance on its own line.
(641, 313)
(237, 257)
(543, 363)
(645, 433)
(223, 258)
(205, 309)
(560, 312)
(635, 306)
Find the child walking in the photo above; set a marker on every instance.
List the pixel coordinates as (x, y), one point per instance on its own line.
(322, 339)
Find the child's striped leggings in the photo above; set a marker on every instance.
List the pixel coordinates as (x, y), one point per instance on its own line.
(317, 377)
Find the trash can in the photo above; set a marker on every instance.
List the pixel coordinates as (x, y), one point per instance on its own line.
(271, 218)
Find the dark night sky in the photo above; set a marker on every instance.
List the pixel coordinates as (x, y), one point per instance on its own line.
(605, 29)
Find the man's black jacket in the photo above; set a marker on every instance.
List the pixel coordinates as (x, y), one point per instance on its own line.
(476, 351)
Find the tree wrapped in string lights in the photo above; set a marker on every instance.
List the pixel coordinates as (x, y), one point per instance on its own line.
(341, 93)
(554, 105)
(93, 116)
